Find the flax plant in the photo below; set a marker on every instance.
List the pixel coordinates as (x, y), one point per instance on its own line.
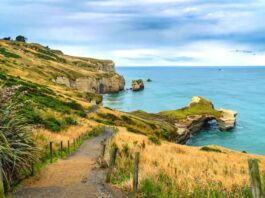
(17, 148)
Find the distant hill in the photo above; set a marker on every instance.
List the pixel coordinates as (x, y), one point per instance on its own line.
(43, 65)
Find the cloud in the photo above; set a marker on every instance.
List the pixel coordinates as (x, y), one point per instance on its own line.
(166, 32)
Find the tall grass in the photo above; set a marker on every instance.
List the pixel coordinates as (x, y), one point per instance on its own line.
(17, 148)
(170, 170)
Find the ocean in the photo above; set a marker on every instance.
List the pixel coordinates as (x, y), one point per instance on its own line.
(238, 88)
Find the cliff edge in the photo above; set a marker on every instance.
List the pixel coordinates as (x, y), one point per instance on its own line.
(43, 65)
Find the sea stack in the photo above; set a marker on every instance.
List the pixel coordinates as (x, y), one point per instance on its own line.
(137, 85)
(227, 119)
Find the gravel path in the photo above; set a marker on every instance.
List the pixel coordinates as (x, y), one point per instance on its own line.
(77, 176)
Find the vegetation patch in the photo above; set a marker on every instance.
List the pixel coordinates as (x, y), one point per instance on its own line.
(39, 99)
(8, 54)
(94, 97)
(154, 139)
(210, 149)
(204, 107)
(17, 147)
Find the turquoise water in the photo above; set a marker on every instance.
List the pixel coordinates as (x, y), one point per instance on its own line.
(238, 88)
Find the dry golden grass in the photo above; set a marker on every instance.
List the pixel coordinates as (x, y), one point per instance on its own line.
(44, 136)
(187, 166)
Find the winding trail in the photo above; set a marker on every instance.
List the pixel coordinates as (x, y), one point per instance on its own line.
(77, 176)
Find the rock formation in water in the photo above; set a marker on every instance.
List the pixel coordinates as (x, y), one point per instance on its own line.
(137, 85)
(226, 119)
(148, 80)
(182, 123)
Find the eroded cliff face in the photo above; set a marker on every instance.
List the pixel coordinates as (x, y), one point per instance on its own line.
(101, 85)
(225, 120)
(102, 78)
(180, 124)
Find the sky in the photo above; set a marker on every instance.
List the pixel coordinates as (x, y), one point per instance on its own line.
(144, 32)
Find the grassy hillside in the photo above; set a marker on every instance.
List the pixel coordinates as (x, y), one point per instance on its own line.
(169, 170)
(41, 64)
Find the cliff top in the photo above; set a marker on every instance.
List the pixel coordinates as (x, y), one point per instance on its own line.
(37, 63)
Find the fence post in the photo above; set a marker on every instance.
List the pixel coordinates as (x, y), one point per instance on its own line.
(103, 151)
(2, 190)
(61, 149)
(136, 172)
(51, 152)
(74, 143)
(255, 178)
(68, 146)
(114, 151)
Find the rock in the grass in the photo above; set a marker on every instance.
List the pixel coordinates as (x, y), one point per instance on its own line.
(137, 85)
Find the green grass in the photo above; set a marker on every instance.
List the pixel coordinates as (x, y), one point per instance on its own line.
(164, 188)
(40, 98)
(8, 54)
(204, 107)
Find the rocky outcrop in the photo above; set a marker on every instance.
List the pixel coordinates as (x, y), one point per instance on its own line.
(184, 122)
(227, 120)
(137, 85)
(108, 84)
(191, 125)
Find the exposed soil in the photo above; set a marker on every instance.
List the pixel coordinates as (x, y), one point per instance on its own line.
(79, 175)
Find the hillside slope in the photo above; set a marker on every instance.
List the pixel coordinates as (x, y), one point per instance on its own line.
(43, 65)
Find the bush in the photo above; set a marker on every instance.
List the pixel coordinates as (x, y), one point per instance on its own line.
(53, 124)
(17, 147)
(96, 131)
(210, 149)
(154, 139)
(7, 38)
(70, 121)
(21, 39)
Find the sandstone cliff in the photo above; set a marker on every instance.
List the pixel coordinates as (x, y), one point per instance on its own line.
(200, 113)
(43, 65)
(111, 84)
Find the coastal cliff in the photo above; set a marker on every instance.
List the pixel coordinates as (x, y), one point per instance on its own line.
(111, 84)
(43, 65)
(193, 123)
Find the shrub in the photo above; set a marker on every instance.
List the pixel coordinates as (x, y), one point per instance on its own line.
(17, 147)
(70, 121)
(154, 139)
(53, 124)
(96, 131)
(210, 149)
(82, 114)
(7, 38)
(94, 97)
(21, 38)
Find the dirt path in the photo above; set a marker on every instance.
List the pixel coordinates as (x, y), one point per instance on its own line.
(77, 176)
